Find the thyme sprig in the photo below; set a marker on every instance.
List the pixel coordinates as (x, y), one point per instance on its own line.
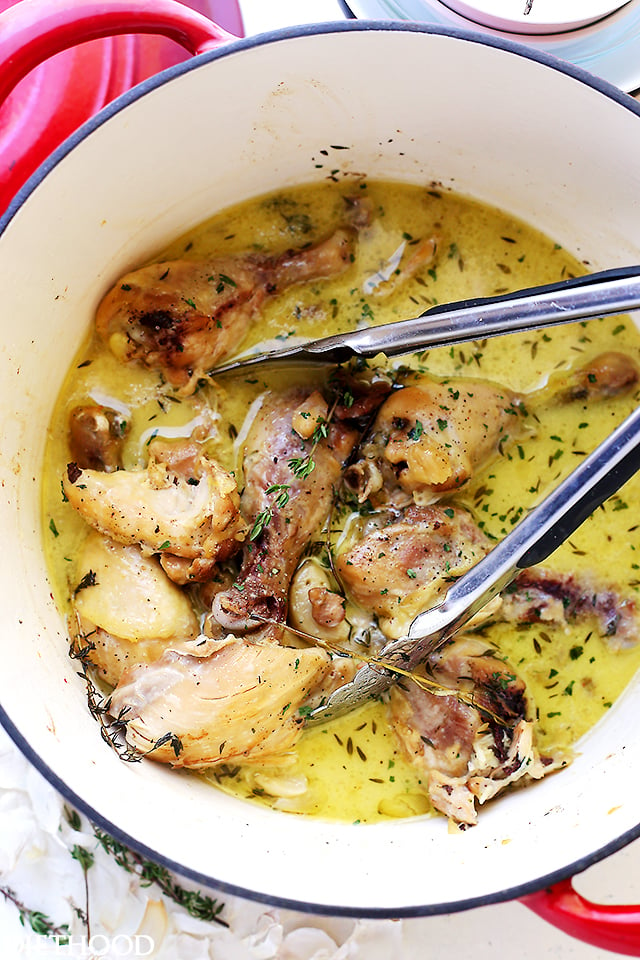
(265, 516)
(38, 921)
(112, 728)
(422, 680)
(198, 905)
(86, 859)
(303, 467)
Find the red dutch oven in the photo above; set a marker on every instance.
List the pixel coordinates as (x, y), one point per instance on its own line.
(250, 116)
(63, 91)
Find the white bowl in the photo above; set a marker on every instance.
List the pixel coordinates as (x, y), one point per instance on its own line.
(534, 16)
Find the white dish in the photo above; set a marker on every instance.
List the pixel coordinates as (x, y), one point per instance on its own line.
(610, 48)
(534, 16)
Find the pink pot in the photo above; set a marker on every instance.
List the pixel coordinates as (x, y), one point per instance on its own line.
(513, 128)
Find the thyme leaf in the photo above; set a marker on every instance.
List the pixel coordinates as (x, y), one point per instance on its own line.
(261, 521)
(302, 467)
(197, 904)
(38, 921)
(89, 580)
(171, 738)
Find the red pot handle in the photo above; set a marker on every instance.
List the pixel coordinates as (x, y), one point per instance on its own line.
(615, 927)
(31, 31)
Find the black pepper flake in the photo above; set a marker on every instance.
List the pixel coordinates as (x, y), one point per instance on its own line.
(89, 580)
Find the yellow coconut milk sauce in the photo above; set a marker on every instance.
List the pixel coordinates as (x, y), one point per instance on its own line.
(352, 769)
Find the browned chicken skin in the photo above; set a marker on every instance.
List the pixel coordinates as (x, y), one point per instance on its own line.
(539, 595)
(182, 316)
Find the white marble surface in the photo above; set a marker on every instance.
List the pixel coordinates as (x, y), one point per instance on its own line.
(37, 864)
(261, 15)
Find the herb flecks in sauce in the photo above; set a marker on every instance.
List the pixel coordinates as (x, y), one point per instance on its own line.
(354, 769)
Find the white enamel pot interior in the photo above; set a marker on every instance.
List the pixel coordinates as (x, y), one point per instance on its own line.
(482, 117)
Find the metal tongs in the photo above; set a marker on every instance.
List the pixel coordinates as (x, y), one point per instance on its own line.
(594, 295)
(534, 538)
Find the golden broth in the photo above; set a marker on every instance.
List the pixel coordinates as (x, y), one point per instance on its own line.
(353, 768)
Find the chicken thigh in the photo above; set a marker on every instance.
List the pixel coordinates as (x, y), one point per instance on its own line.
(220, 701)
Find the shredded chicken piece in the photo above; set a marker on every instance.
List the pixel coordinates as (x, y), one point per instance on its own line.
(223, 701)
(285, 506)
(126, 609)
(469, 751)
(183, 316)
(96, 435)
(183, 505)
